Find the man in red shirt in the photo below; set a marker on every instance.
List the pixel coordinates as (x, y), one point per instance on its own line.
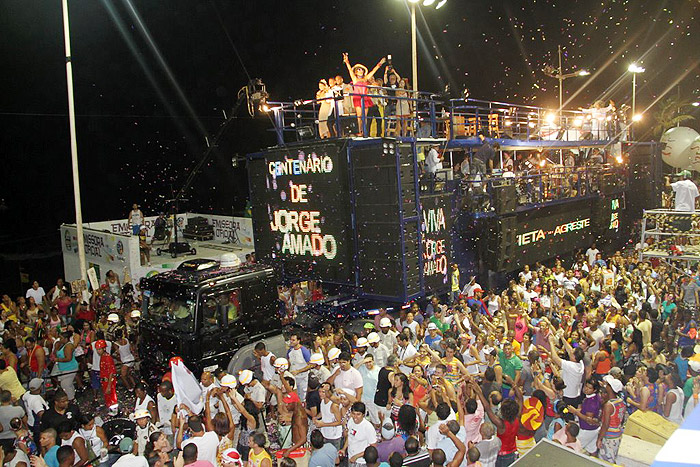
(108, 377)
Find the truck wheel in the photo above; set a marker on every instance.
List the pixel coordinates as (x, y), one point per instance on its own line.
(158, 251)
(173, 254)
(193, 251)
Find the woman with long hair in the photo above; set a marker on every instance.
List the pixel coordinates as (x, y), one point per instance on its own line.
(399, 395)
(324, 96)
(360, 80)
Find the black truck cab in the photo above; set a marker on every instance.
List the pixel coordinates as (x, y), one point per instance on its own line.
(208, 315)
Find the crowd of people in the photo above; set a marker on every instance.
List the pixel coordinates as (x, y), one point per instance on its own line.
(566, 352)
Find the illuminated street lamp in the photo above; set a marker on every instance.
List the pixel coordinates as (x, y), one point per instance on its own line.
(414, 50)
(635, 69)
(561, 76)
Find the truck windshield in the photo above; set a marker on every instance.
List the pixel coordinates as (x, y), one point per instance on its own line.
(175, 314)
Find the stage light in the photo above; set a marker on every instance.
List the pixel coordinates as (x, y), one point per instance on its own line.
(634, 68)
(578, 122)
(441, 4)
(264, 108)
(695, 104)
(508, 123)
(414, 1)
(618, 159)
(428, 2)
(542, 162)
(550, 117)
(637, 118)
(531, 124)
(584, 73)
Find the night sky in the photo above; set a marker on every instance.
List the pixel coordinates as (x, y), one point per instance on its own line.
(152, 78)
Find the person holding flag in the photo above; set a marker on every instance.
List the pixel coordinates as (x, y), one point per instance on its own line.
(108, 377)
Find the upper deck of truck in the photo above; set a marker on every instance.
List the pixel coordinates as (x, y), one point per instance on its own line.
(197, 273)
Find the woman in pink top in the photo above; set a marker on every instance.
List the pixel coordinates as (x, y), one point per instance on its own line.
(360, 80)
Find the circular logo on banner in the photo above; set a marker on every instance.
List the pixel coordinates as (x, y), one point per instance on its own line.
(120, 248)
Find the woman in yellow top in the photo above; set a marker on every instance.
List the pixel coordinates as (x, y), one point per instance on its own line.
(258, 456)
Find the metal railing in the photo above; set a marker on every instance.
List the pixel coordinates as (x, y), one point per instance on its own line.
(527, 189)
(405, 113)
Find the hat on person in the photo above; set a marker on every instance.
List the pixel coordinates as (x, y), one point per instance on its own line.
(682, 173)
(362, 342)
(388, 430)
(101, 344)
(126, 445)
(135, 313)
(36, 383)
(141, 413)
(245, 377)
(373, 338)
(369, 326)
(114, 318)
(231, 456)
(616, 372)
(347, 391)
(316, 359)
(614, 383)
(334, 353)
(432, 326)
(385, 323)
(290, 398)
(532, 414)
(478, 289)
(694, 365)
(229, 381)
(281, 363)
(359, 65)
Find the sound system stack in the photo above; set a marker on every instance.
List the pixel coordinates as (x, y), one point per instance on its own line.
(198, 228)
(500, 242)
(503, 199)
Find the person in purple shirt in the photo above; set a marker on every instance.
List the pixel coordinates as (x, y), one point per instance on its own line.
(589, 416)
(390, 443)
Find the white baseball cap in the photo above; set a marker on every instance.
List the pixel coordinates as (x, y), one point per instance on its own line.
(113, 317)
(316, 359)
(385, 323)
(362, 342)
(281, 363)
(432, 326)
(334, 353)
(141, 413)
(245, 377)
(614, 383)
(135, 313)
(373, 338)
(229, 381)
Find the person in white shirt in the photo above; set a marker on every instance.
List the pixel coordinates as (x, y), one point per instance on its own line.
(379, 351)
(433, 162)
(166, 403)
(591, 254)
(525, 273)
(252, 388)
(468, 290)
(405, 351)
(360, 434)
(370, 378)
(135, 219)
(571, 371)
(36, 292)
(319, 370)
(387, 336)
(686, 191)
(34, 403)
(347, 377)
(207, 442)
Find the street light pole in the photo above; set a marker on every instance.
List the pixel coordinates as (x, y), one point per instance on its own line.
(561, 83)
(414, 51)
(634, 69)
(74, 145)
(634, 94)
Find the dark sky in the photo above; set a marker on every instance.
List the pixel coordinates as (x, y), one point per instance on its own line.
(151, 77)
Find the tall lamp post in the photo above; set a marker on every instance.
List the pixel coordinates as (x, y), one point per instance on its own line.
(634, 69)
(561, 76)
(414, 49)
(74, 145)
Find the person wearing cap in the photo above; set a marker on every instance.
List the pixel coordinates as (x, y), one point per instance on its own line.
(379, 351)
(35, 404)
(370, 378)
(319, 370)
(468, 290)
(231, 458)
(108, 377)
(128, 458)
(293, 421)
(390, 442)
(252, 388)
(685, 190)
(362, 346)
(347, 377)
(144, 428)
(432, 338)
(613, 417)
(387, 336)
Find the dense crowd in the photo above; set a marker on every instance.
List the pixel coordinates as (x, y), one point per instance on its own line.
(563, 353)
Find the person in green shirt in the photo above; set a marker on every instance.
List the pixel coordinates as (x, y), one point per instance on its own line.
(439, 319)
(512, 365)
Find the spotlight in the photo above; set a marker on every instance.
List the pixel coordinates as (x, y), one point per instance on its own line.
(584, 73)
(428, 2)
(695, 104)
(578, 122)
(634, 68)
(637, 118)
(542, 162)
(531, 124)
(618, 159)
(264, 107)
(414, 1)
(508, 123)
(440, 4)
(550, 117)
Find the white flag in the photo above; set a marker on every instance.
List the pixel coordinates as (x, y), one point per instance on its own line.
(186, 386)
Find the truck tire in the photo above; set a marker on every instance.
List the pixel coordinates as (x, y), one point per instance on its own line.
(243, 359)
